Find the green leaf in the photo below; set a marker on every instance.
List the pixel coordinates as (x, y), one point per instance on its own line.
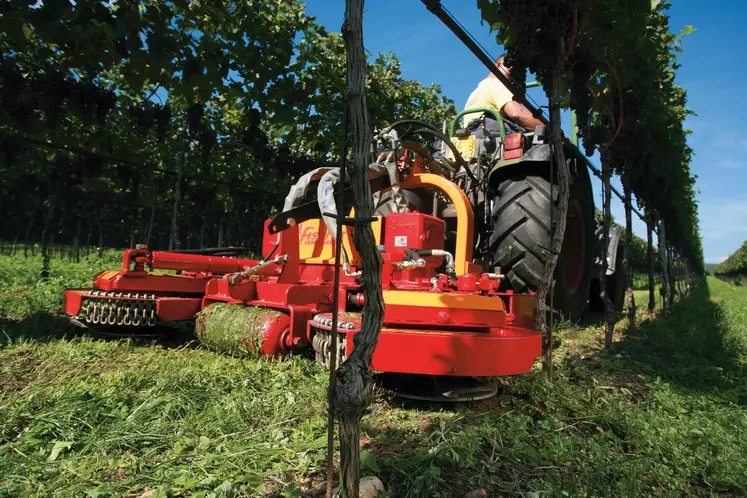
(368, 462)
(292, 491)
(58, 447)
(225, 487)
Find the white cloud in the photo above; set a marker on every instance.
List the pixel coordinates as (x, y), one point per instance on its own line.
(720, 219)
(715, 147)
(715, 261)
(723, 225)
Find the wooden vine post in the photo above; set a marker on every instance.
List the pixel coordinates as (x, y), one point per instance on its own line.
(671, 259)
(650, 250)
(354, 383)
(174, 240)
(664, 267)
(609, 308)
(561, 166)
(628, 268)
(674, 283)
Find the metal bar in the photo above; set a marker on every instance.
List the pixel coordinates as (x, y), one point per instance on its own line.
(598, 174)
(574, 128)
(336, 300)
(438, 10)
(435, 7)
(496, 115)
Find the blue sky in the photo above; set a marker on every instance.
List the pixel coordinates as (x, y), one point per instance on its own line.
(714, 68)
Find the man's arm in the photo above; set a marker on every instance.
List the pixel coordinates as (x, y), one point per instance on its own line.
(520, 115)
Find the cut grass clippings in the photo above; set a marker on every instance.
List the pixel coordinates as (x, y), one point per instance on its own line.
(661, 414)
(232, 329)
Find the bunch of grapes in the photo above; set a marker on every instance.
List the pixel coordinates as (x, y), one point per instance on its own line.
(91, 102)
(163, 120)
(254, 138)
(15, 100)
(535, 32)
(9, 151)
(194, 118)
(207, 140)
(143, 117)
(626, 151)
(582, 69)
(85, 166)
(105, 101)
(51, 93)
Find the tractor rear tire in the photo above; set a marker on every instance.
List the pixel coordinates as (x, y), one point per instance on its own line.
(521, 240)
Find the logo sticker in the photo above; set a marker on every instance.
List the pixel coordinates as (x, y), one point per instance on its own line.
(400, 241)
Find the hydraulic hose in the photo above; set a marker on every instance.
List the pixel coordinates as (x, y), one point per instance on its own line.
(234, 278)
(450, 266)
(402, 122)
(390, 134)
(457, 157)
(414, 261)
(269, 255)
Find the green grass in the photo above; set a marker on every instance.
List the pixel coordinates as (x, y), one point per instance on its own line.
(661, 414)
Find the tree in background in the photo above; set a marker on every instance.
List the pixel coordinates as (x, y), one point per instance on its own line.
(177, 124)
(735, 266)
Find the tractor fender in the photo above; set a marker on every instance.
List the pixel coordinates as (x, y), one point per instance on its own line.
(537, 156)
(613, 244)
(536, 161)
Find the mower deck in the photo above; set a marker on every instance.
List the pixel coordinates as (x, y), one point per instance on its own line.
(443, 314)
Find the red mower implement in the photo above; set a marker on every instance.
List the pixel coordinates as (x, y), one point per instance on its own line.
(446, 314)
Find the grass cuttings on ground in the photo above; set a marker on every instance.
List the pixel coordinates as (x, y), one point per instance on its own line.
(661, 414)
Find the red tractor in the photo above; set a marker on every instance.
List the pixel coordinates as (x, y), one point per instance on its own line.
(446, 313)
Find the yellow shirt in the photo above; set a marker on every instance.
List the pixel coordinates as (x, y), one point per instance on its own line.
(489, 93)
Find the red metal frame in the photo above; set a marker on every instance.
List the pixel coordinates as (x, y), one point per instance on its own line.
(505, 351)
(433, 324)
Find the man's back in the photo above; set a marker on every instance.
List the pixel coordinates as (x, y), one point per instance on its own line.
(489, 93)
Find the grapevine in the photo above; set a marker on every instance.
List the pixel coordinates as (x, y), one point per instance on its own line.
(736, 264)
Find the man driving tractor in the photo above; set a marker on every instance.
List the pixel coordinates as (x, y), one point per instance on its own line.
(491, 93)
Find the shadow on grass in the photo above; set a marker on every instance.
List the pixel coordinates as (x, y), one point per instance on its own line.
(43, 327)
(562, 437)
(39, 327)
(691, 348)
(733, 279)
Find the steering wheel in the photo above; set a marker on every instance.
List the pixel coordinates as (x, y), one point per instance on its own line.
(396, 134)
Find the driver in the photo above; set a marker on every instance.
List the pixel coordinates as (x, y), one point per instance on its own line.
(492, 94)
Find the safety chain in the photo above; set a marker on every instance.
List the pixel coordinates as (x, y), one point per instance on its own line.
(119, 308)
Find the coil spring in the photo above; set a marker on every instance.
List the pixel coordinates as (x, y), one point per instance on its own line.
(114, 308)
(322, 343)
